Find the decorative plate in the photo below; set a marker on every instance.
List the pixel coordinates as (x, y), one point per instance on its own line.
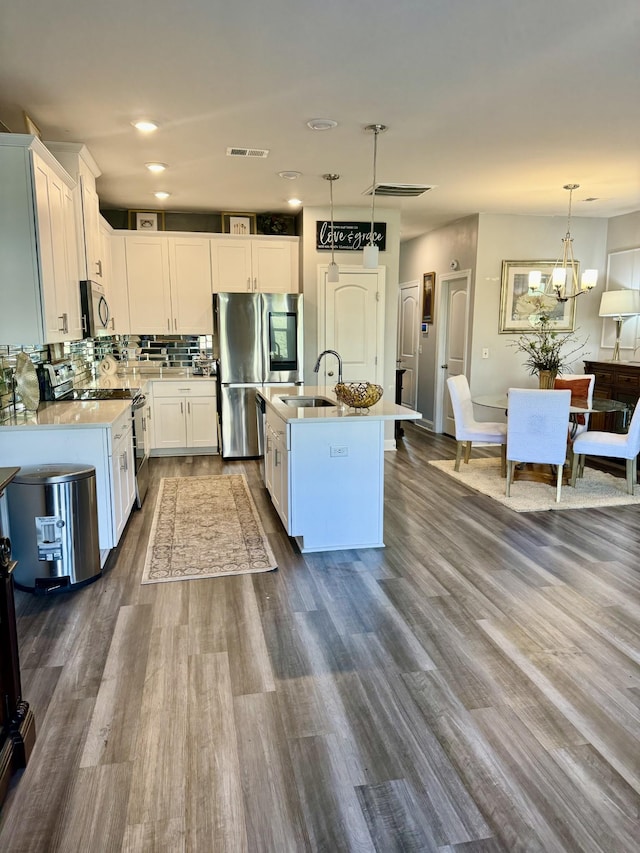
(27, 382)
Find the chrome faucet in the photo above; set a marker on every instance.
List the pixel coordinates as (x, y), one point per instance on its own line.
(329, 352)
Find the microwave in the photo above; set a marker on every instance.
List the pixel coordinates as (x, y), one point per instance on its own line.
(96, 316)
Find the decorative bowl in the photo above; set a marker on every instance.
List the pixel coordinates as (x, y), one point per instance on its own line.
(360, 395)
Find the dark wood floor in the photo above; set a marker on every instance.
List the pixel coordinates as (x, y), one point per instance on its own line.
(473, 687)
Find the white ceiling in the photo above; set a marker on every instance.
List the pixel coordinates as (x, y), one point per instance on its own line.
(497, 103)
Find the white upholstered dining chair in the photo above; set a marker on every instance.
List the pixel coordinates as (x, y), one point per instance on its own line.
(612, 444)
(537, 430)
(468, 429)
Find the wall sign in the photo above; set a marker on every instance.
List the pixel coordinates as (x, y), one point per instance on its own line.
(349, 236)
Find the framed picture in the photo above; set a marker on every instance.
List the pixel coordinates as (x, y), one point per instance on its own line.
(515, 283)
(239, 223)
(31, 126)
(428, 288)
(146, 220)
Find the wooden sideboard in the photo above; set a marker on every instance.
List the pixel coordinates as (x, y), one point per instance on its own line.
(615, 380)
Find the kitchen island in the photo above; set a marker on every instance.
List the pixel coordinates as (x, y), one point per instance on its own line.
(324, 466)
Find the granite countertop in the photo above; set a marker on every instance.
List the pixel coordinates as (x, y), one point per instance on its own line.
(382, 411)
(76, 413)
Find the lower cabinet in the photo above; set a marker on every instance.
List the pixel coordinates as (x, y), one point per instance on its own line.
(184, 417)
(326, 480)
(277, 450)
(122, 473)
(108, 448)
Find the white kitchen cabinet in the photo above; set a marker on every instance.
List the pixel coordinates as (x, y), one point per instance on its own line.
(277, 448)
(118, 295)
(169, 284)
(249, 265)
(78, 162)
(38, 251)
(184, 416)
(122, 472)
(109, 448)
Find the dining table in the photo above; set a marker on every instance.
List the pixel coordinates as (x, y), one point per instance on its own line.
(578, 406)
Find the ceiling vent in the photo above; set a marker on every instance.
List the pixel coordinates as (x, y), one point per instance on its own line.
(401, 190)
(248, 152)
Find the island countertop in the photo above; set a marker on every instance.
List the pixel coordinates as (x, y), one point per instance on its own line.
(383, 410)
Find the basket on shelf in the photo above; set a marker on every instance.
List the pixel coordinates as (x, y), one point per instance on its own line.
(360, 395)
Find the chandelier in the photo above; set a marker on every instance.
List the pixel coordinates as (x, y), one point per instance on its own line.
(563, 282)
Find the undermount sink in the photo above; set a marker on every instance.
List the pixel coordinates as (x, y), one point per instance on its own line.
(306, 402)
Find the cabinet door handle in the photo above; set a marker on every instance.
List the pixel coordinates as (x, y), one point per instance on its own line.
(124, 462)
(181, 407)
(276, 458)
(249, 284)
(255, 284)
(188, 407)
(99, 266)
(113, 324)
(168, 324)
(64, 328)
(175, 323)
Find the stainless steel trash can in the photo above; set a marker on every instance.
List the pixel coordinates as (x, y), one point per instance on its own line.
(53, 524)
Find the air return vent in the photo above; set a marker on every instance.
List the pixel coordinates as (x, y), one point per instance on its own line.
(402, 190)
(247, 152)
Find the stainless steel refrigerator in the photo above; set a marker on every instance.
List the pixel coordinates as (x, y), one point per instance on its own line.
(257, 340)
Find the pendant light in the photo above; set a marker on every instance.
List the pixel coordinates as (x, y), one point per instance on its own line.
(370, 254)
(333, 274)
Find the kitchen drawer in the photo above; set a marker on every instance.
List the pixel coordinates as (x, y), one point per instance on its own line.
(626, 381)
(184, 388)
(121, 426)
(603, 377)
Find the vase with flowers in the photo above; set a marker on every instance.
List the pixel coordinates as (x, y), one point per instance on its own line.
(544, 348)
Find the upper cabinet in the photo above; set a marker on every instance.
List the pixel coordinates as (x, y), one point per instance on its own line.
(78, 162)
(38, 250)
(169, 284)
(253, 264)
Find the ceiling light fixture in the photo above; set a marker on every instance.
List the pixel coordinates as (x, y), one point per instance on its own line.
(333, 273)
(322, 124)
(289, 175)
(295, 202)
(563, 282)
(145, 126)
(370, 254)
(161, 194)
(156, 167)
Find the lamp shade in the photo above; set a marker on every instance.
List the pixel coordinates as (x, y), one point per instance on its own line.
(620, 303)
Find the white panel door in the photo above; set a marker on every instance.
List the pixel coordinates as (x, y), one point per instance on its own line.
(409, 317)
(201, 422)
(455, 344)
(354, 325)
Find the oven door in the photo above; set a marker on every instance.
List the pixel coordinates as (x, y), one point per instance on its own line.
(141, 450)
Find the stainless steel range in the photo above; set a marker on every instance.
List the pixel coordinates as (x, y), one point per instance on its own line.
(56, 384)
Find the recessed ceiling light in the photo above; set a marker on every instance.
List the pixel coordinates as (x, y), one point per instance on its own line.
(289, 176)
(145, 126)
(156, 167)
(321, 123)
(295, 202)
(162, 195)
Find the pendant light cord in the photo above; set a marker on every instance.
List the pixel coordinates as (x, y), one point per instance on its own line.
(331, 180)
(376, 131)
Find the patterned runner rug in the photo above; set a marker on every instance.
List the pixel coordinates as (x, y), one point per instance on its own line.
(204, 527)
(595, 489)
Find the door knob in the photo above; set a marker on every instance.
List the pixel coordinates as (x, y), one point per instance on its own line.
(330, 373)
(444, 366)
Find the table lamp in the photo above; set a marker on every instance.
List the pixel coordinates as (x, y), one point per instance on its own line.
(619, 304)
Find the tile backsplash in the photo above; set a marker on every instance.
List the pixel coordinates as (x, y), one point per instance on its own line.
(165, 350)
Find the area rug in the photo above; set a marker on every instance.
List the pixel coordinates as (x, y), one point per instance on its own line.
(205, 527)
(595, 489)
